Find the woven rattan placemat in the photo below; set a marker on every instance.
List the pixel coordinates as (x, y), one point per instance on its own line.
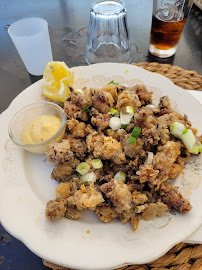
(182, 256)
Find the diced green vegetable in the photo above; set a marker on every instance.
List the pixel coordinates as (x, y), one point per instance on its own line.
(114, 112)
(129, 109)
(86, 109)
(83, 168)
(177, 129)
(189, 140)
(125, 118)
(120, 176)
(97, 163)
(88, 177)
(136, 132)
(113, 82)
(132, 140)
(196, 149)
(123, 126)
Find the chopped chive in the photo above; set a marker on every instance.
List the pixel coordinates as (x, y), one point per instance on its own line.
(97, 163)
(136, 132)
(113, 82)
(126, 71)
(123, 126)
(83, 168)
(86, 109)
(132, 140)
(114, 112)
(129, 109)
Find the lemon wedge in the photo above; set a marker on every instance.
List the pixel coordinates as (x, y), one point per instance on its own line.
(57, 78)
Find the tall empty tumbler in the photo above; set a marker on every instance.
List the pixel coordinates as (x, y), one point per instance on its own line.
(108, 35)
(31, 39)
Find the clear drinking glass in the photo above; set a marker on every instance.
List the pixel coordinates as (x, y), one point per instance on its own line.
(108, 35)
(169, 17)
(31, 39)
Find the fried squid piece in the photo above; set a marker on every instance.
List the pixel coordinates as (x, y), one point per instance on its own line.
(101, 121)
(106, 213)
(144, 95)
(86, 198)
(102, 100)
(119, 195)
(174, 199)
(76, 128)
(128, 97)
(55, 210)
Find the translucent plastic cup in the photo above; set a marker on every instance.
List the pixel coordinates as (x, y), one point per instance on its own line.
(31, 39)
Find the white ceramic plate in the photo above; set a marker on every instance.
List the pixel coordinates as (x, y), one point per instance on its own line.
(25, 188)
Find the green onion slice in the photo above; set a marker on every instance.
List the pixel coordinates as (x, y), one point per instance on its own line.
(83, 168)
(88, 177)
(120, 176)
(132, 140)
(114, 112)
(123, 126)
(177, 129)
(125, 118)
(97, 163)
(79, 91)
(86, 109)
(113, 82)
(189, 140)
(136, 132)
(129, 109)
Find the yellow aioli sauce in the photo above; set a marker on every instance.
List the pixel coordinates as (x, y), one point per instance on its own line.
(40, 129)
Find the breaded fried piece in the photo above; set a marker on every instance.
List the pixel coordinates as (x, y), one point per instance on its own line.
(132, 150)
(144, 95)
(82, 101)
(114, 90)
(86, 198)
(128, 97)
(101, 121)
(94, 144)
(147, 173)
(102, 100)
(78, 147)
(174, 199)
(76, 128)
(55, 210)
(139, 198)
(72, 212)
(59, 152)
(119, 195)
(152, 210)
(148, 123)
(164, 105)
(70, 109)
(106, 213)
(112, 149)
(164, 159)
(62, 172)
(64, 190)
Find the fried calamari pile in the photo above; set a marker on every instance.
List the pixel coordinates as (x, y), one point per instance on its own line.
(145, 193)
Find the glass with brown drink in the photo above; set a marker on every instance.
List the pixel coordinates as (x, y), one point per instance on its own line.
(169, 17)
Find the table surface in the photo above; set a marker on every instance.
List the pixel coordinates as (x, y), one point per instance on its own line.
(68, 22)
